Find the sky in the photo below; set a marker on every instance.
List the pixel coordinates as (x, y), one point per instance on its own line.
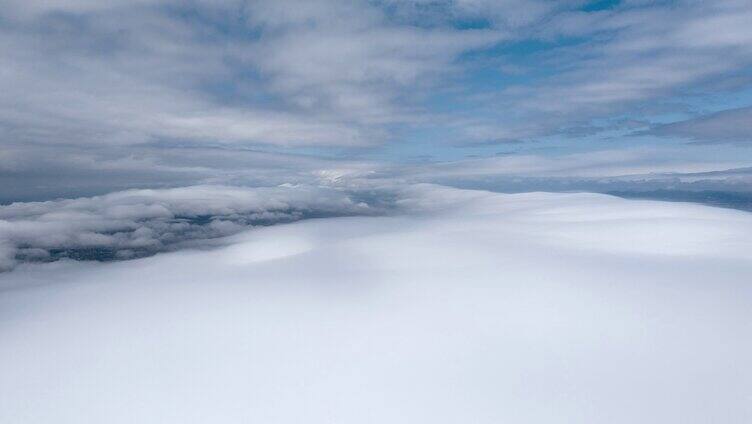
(369, 211)
(105, 96)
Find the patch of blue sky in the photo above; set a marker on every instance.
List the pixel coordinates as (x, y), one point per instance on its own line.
(598, 5)
(507, 64)
(716, 102)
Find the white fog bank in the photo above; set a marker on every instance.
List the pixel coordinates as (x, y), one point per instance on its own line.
(474, 308)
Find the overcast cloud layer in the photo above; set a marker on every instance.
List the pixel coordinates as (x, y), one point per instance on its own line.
(155, 93)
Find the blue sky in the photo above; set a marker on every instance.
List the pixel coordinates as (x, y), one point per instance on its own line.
(123, 90)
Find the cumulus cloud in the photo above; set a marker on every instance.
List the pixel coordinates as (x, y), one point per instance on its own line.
(260, 72)
(136, 223)
(477, 307)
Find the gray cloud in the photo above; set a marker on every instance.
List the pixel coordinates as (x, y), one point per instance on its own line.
(727, 126)
(661, 174)
(143, 222)
(40, 172)
(119, 89)
(106, 96)
(596, 164)
(103, 96)
(136, 223)
(310, 73)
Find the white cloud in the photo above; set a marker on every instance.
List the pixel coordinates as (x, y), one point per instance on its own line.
(659, 173)
(311, 73)
(652, 52)
(93, 85)
(482, 307)
(134, 223)
(143, 222)
(638, 59)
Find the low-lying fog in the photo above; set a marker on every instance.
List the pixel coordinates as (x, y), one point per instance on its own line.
(466, 306)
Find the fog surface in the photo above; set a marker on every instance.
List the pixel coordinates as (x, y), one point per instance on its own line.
(472, 307)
